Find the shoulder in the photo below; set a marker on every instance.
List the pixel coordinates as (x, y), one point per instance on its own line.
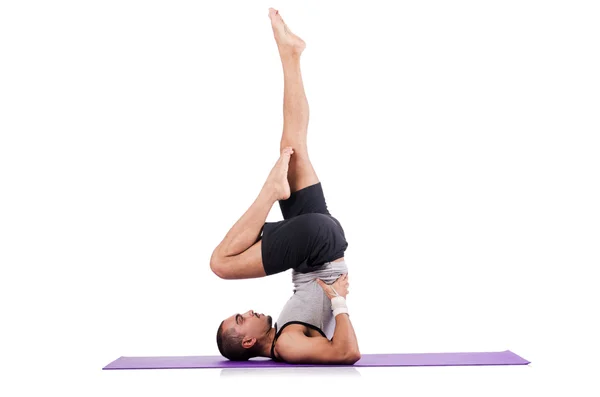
(290, 334)
(292, 338)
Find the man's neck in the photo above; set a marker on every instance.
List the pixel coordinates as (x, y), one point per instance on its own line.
(265, 350)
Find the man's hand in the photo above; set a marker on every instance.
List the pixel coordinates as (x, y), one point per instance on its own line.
(340, 285)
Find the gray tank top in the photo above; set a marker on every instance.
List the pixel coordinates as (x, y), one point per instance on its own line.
(310, 305)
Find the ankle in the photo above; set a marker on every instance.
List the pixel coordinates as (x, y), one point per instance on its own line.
(289, 57)
(269, 192)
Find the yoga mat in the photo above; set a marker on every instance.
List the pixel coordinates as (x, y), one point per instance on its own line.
(367, 360)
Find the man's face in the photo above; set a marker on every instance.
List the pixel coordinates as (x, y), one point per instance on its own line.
(249, 324)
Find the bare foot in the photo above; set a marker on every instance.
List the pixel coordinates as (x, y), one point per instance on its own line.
(277, 179)
(287, 42)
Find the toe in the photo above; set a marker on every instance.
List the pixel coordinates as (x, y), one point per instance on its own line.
(274, 14)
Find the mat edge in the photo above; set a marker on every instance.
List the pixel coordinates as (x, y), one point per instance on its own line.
(525, 362)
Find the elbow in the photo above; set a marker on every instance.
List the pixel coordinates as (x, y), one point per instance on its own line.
(352, 357)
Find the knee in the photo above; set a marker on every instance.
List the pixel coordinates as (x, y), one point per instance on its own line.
(222, 267)
(216, 265)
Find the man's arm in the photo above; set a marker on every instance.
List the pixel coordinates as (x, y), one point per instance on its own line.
(343, 346)
(297, 348)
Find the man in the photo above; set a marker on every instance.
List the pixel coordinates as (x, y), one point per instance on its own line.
(314, 325)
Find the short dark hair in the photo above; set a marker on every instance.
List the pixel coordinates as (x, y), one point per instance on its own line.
(230, 344)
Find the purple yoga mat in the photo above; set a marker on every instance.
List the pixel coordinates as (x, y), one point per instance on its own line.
(367, 360)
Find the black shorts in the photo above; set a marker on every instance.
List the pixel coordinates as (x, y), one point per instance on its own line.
(307, 237)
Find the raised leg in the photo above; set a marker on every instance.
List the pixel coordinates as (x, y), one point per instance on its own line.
(295, 105)
(239, 255)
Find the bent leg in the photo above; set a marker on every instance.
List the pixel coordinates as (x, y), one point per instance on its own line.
(244, 233)
(237, 256)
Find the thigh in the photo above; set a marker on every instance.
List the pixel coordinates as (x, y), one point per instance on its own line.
(248, 264)
(308, 200)
(300, 171)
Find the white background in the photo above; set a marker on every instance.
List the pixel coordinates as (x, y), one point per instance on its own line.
(457, 142)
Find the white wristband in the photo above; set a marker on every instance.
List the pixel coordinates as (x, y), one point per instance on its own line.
(338, 305)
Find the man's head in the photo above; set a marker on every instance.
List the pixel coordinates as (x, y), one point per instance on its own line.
(239, 336)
